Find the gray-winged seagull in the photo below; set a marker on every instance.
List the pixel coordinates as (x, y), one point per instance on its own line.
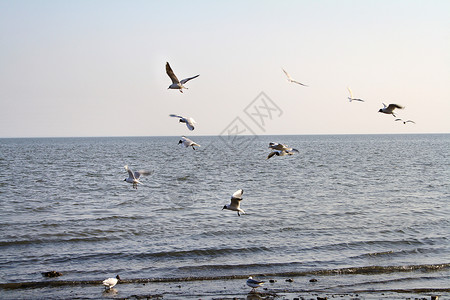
(254, 283)
(407, 121)
(189, 121)
(177, 84)
(390, 109)
(290, 79)
(133, 178)
(235, 204)
(184, 141)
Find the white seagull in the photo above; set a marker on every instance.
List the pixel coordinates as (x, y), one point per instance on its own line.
(254, 283)
(235, 204)
(351, 96)
(184, 141)
(290, 79)
(407, 121)
(189, 121)
(111, 282)
(280, 150)
(134, 177)
(390, 109)
(177, 84)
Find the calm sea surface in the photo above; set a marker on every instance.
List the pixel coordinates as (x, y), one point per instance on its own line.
(374, 208)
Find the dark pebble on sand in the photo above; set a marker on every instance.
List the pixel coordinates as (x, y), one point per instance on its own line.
(51, 274)
(313, 280)
(434, 297)
(289, 280)
(272, 280)
(322, 298)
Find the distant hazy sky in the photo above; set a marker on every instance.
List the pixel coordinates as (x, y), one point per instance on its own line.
(97, 68)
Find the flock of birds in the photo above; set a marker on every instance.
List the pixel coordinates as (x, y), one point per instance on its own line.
(277, 149)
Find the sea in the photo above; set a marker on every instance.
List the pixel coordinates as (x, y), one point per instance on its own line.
(347, 214)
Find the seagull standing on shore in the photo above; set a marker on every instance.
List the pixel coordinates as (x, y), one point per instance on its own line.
(189, 121)
(390, 109)
(235, 204)
(111, 282)
(254, 283)
(351, 96)
(290, 79)
(184, 141)
(177, 84)
(133, 178)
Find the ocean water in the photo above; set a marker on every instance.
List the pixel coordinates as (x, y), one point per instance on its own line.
(361, 212)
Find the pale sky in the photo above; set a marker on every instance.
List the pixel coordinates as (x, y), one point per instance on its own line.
(97, 68)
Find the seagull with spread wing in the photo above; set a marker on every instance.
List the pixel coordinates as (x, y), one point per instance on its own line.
(407, 121)
(133, 178)
(389, 109)
(351, 96)
(189, 121)
(177, 84)
(185, 142)
(290, 79)
(235, 204)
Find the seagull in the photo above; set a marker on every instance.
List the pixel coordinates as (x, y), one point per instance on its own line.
(351, 96)
(134, 177)
(111, 282)
(176, 84)
(236, 199)
(282, 153)
(187, 142)
(278, 146)
(390, 109)
(290, 79)
(254, 283)
(407, 121)
(280, 150)
(189, 121)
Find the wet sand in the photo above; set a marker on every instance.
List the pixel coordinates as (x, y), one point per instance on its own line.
(279, 288)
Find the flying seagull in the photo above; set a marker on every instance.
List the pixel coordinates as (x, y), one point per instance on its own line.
(235, 204)
(280, 150)
(351, 96)
(189, 121)
(407, 121)
(282, 153)
(390, 109)
(254, 283)
(111, 282)
(184, 141)
(176, 84)
(290, 79)
(134, 177)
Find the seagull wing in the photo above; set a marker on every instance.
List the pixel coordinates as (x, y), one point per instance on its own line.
(237, 195)
(171, 74)
(394, 106)
(190, 123)
(398, 120)
(287, 74)
(187, 79)
(350, 91)
(140, 173)
(410, 121)
(356, 99)
(294, 81)
(175, 116)
(130, 173)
